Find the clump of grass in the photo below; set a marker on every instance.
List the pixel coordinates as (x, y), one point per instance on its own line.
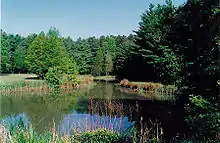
(149, 88)
(24, 87)
(36, 86)
(105, 77)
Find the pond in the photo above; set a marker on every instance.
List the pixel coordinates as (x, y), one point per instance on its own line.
(87, 108)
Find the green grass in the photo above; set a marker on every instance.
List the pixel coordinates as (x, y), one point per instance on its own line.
(82, 77)
(16, 78)
(26, 134)
(14, 82)
(105, 77)
(139, 82)
(29, 82)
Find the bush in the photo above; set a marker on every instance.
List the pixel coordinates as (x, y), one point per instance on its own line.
(54, 77)
(203, 118)
(101, 135)
(60, 75)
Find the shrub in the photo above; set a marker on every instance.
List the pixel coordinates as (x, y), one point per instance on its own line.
(101, 135)
(204, 119)
(64, 74)
(54, 77)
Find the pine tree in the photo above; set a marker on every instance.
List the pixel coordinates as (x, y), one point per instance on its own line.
(194, 36)
(5, 53)
(19, 58)
(35, 59)
(99, 62)
(151, 42)
(48, 51)
(108, 63)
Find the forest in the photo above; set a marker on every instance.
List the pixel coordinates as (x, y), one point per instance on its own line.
(109, 51)
(173, 45)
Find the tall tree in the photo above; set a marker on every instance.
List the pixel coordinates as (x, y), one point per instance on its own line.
(151, 51)
(83, 56)
(36, 59)
(19, 59)
(5, 53)
(20, 53)
(124, 46)
(45, 52)
(93, 45)
(194, 36)
(14, 42)
(110, 46)
(99, 62)
(108, 63)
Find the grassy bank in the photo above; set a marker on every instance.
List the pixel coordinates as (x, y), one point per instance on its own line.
(21, 134)
(148, 88)
(28, 135)
(104, 78)
(13, 83)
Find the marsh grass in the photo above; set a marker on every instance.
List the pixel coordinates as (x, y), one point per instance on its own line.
(24, 87)
(19, 84)
(149, 89)
(105, 77)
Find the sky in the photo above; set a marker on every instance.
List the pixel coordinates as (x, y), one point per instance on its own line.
(74, 18)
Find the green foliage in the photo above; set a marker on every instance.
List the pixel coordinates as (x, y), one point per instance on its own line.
(204, 118)
(5, 53)
(83, 51)
(109, 46)
(70, 71)
(101, 135)
(151, 42)
(13, 52)
(35, 59)
(19, 58)
(59, 75)
(54, 76)
(99, 62)
(124, 46)
(48, 57)
(196, 42)
(108, 63)
(182, 45)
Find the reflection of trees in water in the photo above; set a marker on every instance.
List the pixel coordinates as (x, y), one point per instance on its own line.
(41, 110)
(159, 120)
(110, 114)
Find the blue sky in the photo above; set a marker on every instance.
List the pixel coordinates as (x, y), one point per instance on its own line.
(74, 18)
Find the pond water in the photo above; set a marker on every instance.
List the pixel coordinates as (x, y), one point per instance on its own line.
(87, 108)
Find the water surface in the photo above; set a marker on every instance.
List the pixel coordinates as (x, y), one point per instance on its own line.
(87, 108)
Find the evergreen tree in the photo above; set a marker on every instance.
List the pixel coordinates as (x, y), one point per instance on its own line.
(151, 42)
(194, 37)
(110, 46)
(5, 53)
(48, 51)
(99, 62)
(108, 63)
(124, 46)
(35, 59)
(19, 59)
(14, 42)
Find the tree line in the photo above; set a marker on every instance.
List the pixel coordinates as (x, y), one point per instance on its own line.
(97, 56)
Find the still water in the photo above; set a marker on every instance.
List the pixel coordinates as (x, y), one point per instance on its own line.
(87, 108)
